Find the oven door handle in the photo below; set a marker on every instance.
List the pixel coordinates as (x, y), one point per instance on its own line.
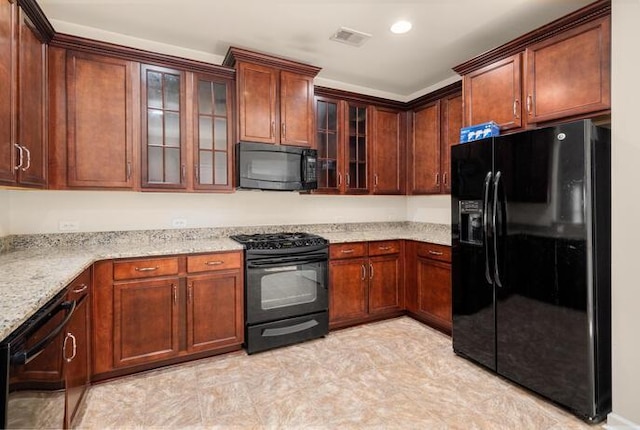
(24, 357)
(285, 261)
(283, 331)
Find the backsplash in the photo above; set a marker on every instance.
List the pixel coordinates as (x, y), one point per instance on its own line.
(18, 242)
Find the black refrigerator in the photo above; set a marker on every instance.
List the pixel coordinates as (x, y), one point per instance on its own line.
(531, 261)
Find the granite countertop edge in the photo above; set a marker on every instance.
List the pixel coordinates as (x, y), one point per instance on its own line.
(33, 276)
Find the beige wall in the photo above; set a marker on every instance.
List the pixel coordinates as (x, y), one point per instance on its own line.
(4, 213)
(625, 210)
(436, 209)
(42, 211)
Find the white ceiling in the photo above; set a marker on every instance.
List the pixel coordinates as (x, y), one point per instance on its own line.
(445, 32)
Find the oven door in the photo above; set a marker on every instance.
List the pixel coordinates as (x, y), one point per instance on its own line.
(285, 286)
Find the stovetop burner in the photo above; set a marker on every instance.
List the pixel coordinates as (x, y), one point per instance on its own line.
(279, 240)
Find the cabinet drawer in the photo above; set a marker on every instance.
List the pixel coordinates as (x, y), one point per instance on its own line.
(384, 247)
(435, 252)
(218, 261)
(348, 250)
(145, 268)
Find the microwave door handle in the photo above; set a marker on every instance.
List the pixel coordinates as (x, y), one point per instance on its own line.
(24, 357)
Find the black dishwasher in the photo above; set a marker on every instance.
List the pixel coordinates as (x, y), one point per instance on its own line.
(32, 361)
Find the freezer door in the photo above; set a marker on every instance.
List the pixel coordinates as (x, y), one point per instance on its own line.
(472, 286)
(543, 256)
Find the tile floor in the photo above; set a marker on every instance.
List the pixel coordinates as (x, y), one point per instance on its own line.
(386, 375)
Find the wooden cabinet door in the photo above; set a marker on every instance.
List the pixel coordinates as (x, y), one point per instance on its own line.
(494, 93)
(214, 310)
(348, 289)
(384, 284)
(31, 101)
(257, 103)
(145, 317)
(76, 354)
(356, 149)
(570, 74)
(213, 136)
(388, 151)
(100, 121)
(163, 128)
(424, 169)
(296, 109)
(8, 151)
(329, 131)
(451, 123)
(433, 280)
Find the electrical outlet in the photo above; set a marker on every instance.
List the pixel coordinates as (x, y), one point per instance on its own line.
(179, 222)
(68, 225)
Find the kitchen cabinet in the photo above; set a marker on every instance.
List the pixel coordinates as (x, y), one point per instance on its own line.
(557, 72)
(100, 121)
(435, 128)
(275, 98)
(23, 154)
(76, 347)
(163, 128)
(212, 131)
(365, 282)
(494, 93)
(342, 131)
(570, 74)
(388, 151)
(154, 311)
(428, 284)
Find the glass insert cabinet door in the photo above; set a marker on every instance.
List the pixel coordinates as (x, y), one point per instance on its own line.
(163, 157)
(357, 148)
(328, 114)
(212, 107)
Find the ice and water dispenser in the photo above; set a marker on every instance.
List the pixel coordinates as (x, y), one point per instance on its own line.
(471, 222)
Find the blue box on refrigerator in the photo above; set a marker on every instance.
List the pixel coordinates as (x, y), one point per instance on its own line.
(479, 131)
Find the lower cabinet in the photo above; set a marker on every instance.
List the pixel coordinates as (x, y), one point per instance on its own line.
(428, 284)
(365, 282)
(149, 312)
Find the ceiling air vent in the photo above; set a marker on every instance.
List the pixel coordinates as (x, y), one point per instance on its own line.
(350, 37)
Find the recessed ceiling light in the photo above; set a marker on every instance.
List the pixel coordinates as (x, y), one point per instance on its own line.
(401, 27)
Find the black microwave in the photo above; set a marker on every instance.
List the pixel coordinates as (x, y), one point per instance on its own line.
(263, 166)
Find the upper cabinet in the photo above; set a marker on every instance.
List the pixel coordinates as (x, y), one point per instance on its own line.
(434, 128)
(388, 154)
(23, 154)
(275, 98)
(559, 71)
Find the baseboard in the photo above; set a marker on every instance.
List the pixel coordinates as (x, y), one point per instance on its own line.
(616, 422)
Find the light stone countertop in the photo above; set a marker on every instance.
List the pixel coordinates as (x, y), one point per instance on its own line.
(30, 277)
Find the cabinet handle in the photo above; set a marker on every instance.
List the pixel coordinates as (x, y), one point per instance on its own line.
(147, 269)
(529, 103)
(81, 288)
(364, 272)
(375, 179)
(74, 346)
(190, 292)
(284, 130)
(273, 128)
(516, 103)
(24, 169)
(214, 263)
(348, 180)
(384, 248)
(21, 154)
(183, 172)
(347, 251)
(435, 252)
(196, 172)
(339, 179)
(128, 169)
(370, 271)
(175, 294)
(444, 178)
(438, 178)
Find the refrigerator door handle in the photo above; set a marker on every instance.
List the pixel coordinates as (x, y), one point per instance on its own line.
(485, 226)
(494, 216)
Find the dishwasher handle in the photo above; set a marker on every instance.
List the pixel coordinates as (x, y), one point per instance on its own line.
(24, 357)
